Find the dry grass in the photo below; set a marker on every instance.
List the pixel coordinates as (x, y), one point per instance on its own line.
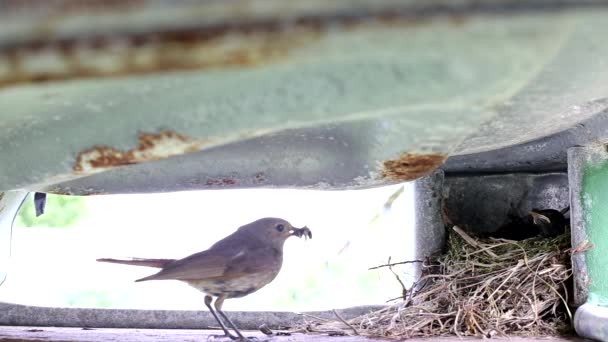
(477, 288)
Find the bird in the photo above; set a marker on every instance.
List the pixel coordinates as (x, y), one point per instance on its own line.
(545, 223)
(234, 267)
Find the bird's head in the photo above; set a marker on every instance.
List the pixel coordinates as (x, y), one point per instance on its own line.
(276, 230)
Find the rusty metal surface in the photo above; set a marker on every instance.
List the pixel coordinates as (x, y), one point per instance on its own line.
(117, 98)
(49, 54)
(410, 166)
(64, 39)
(99, 56)
(151, 147)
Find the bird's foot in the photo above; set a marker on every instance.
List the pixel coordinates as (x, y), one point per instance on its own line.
(266, 330)
(236, 338)
(225, 336)
(244, 338)
(269, 332)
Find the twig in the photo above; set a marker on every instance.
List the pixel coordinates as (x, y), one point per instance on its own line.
(472, 241)
(470, 292)
(396, 263)
(315, 317)
(345, 322)
(394, 299)
(582, 247)
(266, 330)
(520, 263)
(560, 296)
(403, 288)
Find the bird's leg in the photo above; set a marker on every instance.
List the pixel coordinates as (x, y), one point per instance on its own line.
(208, 300)
(218, 306)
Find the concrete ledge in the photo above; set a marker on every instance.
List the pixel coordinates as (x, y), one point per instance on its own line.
(23, 315)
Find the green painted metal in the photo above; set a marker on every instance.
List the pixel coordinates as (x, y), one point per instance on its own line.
(330, 95)
(594, 198)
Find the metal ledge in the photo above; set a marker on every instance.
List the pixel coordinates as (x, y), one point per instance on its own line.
(591, 321)
(547, 154)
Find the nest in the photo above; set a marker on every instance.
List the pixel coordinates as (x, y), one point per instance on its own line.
(479, 287)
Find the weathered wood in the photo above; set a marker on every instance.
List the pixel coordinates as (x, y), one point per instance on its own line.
(47, 334)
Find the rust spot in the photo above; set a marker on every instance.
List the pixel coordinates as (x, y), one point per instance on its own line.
(70, 191)
(259, 178)
(152, 146)
(211, 47)
(220, 182)
(63, 7)
(93, 193)
(411, 166)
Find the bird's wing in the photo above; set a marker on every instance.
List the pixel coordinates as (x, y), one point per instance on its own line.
(253, 261)
(197, 266)
(214, 264)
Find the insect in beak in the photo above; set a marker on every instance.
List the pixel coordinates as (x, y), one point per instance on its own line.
(299, 232)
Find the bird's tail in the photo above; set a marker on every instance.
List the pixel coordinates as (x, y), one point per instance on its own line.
(159, 263)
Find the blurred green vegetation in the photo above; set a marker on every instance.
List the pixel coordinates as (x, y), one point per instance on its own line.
(60, 212)
(86, 298)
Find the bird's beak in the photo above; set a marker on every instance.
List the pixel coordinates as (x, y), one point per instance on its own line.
(538, 217)
(299, 232)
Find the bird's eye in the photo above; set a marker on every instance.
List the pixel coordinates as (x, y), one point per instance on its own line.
(280, 227)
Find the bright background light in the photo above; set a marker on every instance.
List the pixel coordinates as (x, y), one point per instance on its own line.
(351, 232)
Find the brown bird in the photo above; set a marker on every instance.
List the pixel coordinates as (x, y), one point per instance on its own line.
(233, 267)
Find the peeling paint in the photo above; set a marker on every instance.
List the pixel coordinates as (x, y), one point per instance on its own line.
(246, 43)
(220, 182)
(259, 178)
(410, 166)
(153, 53)
(73, 192)
(63, 7)
(152, 146)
